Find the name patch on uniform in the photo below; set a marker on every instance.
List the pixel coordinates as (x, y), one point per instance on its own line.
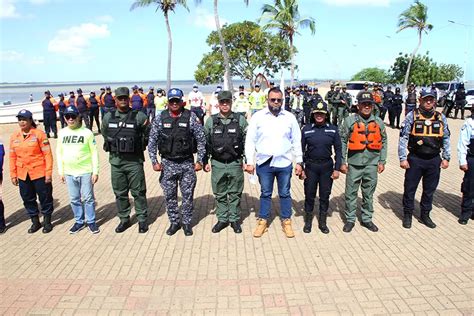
(309, 132)
(231, 130)
(183, 124)
(167, 125)
(330, 130)
(113, 125)
(129, 125)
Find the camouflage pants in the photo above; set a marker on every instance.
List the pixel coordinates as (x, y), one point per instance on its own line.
(172, 175)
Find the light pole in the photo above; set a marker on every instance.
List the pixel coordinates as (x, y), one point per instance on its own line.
(466, 52)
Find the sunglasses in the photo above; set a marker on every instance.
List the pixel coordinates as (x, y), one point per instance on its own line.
(70, 117)
(276, 100)
(174, 101)
(121, 98)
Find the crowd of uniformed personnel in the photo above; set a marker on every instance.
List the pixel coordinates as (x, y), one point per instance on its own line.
(265, 132)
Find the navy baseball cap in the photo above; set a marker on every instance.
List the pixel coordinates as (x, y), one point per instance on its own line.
(79, 90)
(60, 95)
(135, 87)
(25, 113)
(427, 93)
(175, 94)
(71, 110)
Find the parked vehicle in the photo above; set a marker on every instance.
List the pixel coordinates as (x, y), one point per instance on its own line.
(469, 99)
(353, 87)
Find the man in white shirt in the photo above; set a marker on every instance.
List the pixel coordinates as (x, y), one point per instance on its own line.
(274, 138)
(196, 102)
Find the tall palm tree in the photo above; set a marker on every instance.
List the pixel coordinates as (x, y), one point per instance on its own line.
(285, 17)
(165, 6)
(415, 18)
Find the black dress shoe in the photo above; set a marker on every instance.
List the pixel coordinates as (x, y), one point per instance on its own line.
(348, 227)
(370, 226)
(142, 227)
(462, 221)
(188, 231)
(236, 227)
(122, 227)
(428, 222)
(173, 229)
(406, 222)
(323, 228)
(219, 226)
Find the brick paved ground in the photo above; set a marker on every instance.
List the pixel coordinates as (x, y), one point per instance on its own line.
(394, 271)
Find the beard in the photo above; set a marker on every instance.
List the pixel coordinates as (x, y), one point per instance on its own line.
(274, 110)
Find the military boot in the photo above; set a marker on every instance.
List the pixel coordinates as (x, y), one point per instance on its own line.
(456, 113)
(47, 226)
(55, 135)
(287, 229)
(425, 219)
(322, 223)
(35, 226)
(261, 228)
(308, 223)
(406, 223)
(462, 114)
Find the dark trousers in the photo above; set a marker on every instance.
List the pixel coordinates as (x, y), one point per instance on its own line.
(62, 119)
(383, 112)
(2, 207)
(394, 113)
(29, 189)
(150, 113)
(85, 116)
(49, 120)
(94, 114)
(318, 174)
(427, 170)
(409, 108)
(467, 189)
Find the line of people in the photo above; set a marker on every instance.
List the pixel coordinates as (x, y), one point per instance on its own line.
(227, 146)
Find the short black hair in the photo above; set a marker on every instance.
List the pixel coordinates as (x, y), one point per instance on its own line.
(275, 89)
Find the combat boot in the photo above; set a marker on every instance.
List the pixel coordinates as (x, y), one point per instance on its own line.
(261, 228)
(35, 226)
(407, 217)
(47, 226)
(322, 225)
(286, 226)
(425, 219)
(55, 135)
(308, 223)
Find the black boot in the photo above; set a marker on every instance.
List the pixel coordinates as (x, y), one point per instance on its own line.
(462, 114)
(35, 226)
(47, 226)
(236, 227)
(173, 229)
(456, 113)
(322, 223)
(142, 227)
(123, 226)
(219, 226)
(425, 219)
(407, 217)
(308, 223)
(188, 230)
(55, 135)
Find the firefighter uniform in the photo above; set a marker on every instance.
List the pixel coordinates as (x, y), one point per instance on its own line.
(93, 103)
(82, 106)
(61, 105)
(225, 136)
(108, 101)
(176, 138)
(424, 134)
(125, 138)
(364, 148)
(49, 115)
(466, 158)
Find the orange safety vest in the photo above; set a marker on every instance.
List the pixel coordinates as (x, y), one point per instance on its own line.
(377, 97)
(365, 137)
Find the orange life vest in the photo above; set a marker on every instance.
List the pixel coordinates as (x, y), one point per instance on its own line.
(365, 137)
(377, 97)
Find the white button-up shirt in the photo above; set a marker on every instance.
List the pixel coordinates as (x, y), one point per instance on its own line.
(273, 136)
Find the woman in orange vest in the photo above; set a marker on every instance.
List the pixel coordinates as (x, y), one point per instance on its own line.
(31, 168)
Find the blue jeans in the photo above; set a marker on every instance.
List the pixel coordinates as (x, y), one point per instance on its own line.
(81, 193)
(266, 176)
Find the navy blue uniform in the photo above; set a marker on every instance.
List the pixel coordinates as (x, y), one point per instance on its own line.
(317, 143)
(466, 157)
(49, 116)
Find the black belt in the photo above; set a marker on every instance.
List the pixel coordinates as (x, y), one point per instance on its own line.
(320, 160)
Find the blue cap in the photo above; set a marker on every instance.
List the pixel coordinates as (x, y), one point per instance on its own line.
(79, 90)
(71, 110)
(175, 94)
(60, 95)
(25, 113)
(107, 88)
(427, 93)
(135, 87)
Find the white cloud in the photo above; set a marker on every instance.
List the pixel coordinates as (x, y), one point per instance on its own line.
(39, 2)
(10, 56)
(105, 19)
(8, 9)
(205, 19)
(343, 3)
(73, 42)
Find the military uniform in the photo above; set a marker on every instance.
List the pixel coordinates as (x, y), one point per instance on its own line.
(339, 107)
(225, 138)
(328, 98)
(364, 148)
(424, 134)
(346, 96)
(125, 138)
(466, 158)
(176, 139)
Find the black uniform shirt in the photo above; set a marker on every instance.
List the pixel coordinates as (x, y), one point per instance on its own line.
(317, 142)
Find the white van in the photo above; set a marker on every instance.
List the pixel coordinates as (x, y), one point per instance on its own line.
(354, 87)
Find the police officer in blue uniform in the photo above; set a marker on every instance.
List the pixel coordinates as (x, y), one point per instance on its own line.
(318, 139)
(151, 108)
(425, 134)
(49, 115)
(62, 108)
(466, 164)
(177, 134)
(395, 110)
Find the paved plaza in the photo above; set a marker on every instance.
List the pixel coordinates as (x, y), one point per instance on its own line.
(395, 271)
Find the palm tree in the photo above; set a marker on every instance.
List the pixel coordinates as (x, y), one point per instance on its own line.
(414, 17)
(165, 6)
(285, 17)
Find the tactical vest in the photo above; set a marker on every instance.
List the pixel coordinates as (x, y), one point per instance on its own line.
(226, 140)
(426, 135)
(94, 103)
(411, 98)
(48, 106)
(397, 99)
(177, 141)
(136, 101)
(362, 136)
(151, 100)
(122, 135)
(81, 104)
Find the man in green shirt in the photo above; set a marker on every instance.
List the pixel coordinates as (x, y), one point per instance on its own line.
(364, 152)
(125, 134)
(225, 137)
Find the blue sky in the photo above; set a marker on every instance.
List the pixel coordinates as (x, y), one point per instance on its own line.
(65, 40)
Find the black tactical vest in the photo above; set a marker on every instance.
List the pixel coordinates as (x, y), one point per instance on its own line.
(411, 98)
(122, 134)
(177, 141)
(226, 140)
(426, 136)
